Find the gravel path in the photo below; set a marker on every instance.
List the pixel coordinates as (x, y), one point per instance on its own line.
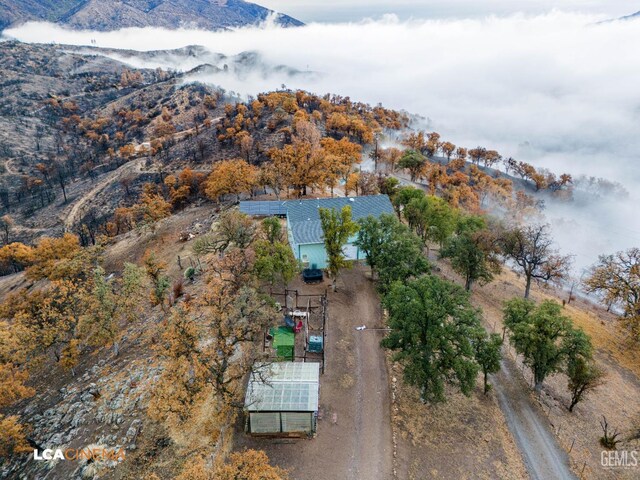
(542, 455)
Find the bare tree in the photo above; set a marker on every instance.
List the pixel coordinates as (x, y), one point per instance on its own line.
(530, 247)
(616, 278)
(6, 224)
(61, 174)
(608, 440)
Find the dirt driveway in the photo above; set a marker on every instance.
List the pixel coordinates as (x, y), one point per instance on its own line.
(542, 455)
(354, 433)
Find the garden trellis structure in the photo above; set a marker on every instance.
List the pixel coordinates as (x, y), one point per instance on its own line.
(282, 399)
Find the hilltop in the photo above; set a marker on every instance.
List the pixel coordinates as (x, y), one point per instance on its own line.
(113, 15)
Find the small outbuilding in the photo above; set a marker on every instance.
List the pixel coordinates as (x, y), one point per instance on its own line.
(282, 399)
(284, 342)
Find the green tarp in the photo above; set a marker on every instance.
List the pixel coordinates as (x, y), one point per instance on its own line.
(284, 341)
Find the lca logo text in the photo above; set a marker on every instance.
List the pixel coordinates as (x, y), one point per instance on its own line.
(93, 454)
(619, 459)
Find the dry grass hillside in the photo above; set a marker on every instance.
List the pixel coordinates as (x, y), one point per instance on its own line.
(618, 399)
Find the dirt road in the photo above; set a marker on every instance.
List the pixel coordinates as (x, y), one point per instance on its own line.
(354, 432)
(78, 208)
(542, 455)
(373, 428)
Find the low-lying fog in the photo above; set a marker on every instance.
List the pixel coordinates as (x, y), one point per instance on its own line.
(354, 10)
(558, 90)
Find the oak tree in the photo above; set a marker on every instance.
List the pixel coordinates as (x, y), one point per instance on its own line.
(393, 251)
(583, 374)
(432, 323)
(616, 279)
(230, 177)
(12, 437)
(531, 248)
(474, 251)
(413, 161)
(275, 262)
(488, 354)
(249, 465)
(12, 385)
(543, 336)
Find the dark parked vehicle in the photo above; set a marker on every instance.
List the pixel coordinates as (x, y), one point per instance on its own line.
(312, 275)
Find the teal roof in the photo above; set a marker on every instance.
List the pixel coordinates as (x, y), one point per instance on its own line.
(304, 215)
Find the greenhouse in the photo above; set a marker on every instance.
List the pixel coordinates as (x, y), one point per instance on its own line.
(282, 399)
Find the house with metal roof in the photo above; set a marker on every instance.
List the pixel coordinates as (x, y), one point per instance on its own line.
(282, 399)
(303, 223)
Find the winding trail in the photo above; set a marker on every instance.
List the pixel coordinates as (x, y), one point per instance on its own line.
(78, 208)
(543, 456)
(132, 166)
(8, 167)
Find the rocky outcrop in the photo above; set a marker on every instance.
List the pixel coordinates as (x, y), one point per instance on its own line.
(103, 408)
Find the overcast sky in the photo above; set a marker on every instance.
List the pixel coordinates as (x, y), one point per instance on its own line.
(354, 10)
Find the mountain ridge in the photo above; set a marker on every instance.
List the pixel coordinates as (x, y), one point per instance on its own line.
(108, 15)
(631, 16)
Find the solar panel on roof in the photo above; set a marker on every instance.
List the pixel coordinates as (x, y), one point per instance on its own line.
(304, 216)
(263, 208)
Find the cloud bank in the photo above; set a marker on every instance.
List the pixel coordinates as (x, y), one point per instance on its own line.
(557, 90)
(345, 10)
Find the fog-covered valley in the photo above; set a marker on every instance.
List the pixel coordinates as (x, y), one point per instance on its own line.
(557, 90)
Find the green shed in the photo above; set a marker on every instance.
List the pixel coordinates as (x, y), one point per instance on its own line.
(284, 342)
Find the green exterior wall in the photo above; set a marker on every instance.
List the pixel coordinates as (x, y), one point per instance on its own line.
(314, 254)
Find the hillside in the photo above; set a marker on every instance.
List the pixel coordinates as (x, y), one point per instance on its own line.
(81, 127)
(135, 299)
(68, 146)
(113, 15)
